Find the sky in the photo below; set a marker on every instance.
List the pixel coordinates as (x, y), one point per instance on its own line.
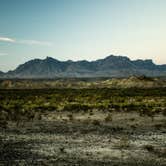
(81, 30)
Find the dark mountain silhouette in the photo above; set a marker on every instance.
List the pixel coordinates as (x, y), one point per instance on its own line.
(111, 66)
(1, 73)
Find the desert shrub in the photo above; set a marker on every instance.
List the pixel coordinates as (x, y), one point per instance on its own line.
(115, 106)
(62, 149)
(131, 107)
(123, 143)
(49, 108)
(101, 107)
(151, 114)
(30, 115)
(3, 115)
(43, 107)
(91, 112)
(158, 126)
(161, 152)
(108, 118)
(37, 116)
(149, 148)
(15, 112)
(3, 119)
(164, 112)
(71, 117)
(96, 122)
(76, 107)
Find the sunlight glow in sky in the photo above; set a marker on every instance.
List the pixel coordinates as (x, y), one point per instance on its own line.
(81, 29)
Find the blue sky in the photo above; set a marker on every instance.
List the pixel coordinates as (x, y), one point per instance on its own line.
(81, 29)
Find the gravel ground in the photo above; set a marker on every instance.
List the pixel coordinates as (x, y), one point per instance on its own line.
(85, 140)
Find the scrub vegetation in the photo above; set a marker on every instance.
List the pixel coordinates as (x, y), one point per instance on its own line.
(83, 126)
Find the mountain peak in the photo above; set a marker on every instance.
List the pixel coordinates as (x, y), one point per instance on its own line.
(111, 66)
(117, 57)
(50, 59)
(150, 61)
(1, 73)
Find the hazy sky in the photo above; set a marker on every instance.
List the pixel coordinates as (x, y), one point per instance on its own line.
(81, 29)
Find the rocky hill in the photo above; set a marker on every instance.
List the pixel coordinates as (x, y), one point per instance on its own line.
(111, 66)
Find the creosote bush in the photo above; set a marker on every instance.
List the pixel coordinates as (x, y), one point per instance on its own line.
(108, 118)
(149, 148)
(70, 116)
(123, 143)
(30, 104)
(96, 122)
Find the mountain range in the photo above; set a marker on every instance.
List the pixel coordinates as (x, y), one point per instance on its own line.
(111, 66)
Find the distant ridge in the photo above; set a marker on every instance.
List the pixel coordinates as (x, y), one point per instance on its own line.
(1, 73)
(111, 66)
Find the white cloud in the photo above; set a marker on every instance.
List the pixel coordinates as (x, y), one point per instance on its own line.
(2, 54)
(6, 39)
(35, 42)
(27, 42)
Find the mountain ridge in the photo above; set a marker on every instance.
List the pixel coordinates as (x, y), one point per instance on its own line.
(111, 66)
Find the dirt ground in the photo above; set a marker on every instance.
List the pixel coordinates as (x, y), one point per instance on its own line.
(95, 138)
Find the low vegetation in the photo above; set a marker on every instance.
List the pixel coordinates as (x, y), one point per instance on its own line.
(83, 126)
(28, 105)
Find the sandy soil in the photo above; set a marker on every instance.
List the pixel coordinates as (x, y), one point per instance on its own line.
(85, 139)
